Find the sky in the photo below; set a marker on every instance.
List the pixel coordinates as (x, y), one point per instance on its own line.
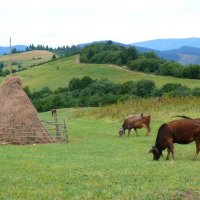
(71, 22)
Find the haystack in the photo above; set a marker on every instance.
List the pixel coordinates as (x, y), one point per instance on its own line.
(19, 122)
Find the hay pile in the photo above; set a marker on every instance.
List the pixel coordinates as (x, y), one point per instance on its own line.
(19, 123)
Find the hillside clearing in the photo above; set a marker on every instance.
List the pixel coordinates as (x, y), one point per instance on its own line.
(58, 73)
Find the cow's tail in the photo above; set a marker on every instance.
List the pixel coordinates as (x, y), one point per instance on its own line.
(183, 116)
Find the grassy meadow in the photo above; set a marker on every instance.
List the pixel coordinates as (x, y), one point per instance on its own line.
(97, 164)
(58, 73)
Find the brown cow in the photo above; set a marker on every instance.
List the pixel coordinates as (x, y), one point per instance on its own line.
(182, 131)
(135, 122)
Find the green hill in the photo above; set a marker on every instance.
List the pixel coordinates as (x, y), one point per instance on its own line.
(58, 73)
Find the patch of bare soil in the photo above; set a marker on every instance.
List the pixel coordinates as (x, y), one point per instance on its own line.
(187, 195)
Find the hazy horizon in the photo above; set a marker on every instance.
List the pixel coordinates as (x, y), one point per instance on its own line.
(64, 22)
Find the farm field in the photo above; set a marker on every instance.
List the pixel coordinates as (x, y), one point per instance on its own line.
(58, 73)
(97, 164)
(27, 59)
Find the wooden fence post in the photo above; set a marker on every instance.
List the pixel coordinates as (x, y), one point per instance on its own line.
(57, 125)
(65, 131)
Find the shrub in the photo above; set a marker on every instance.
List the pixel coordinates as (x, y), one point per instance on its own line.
(128, 87)
(168, 88)
(144, 88)
(109, 99)
(86, 81)
(196, 91)
(192, 71)
(180, 92)
(74, 84)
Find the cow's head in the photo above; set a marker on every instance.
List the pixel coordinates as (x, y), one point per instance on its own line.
(121, 131)
(156, 153)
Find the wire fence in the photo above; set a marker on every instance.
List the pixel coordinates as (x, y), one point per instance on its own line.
(58, 130)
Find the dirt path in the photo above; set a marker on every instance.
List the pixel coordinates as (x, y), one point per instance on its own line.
(77, 61)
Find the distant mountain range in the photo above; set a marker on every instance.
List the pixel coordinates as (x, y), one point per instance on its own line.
(169, 44)
(184, 55)
(185, 51)
(6, 50)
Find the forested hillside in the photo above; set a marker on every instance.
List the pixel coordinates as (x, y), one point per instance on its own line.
(147, 62)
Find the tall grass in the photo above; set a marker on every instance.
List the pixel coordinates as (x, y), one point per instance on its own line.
(163, 109)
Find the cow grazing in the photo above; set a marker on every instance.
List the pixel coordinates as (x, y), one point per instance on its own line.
(181, 131)
(135, 122)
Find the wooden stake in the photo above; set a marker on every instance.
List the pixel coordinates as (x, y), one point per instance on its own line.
(57, 125)
(10, 59)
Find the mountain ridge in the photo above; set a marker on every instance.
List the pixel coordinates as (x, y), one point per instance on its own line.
(184, 55)
(169, 44)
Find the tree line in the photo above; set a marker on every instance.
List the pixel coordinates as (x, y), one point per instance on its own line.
(61, 51)
(87, 92)
(147, 62)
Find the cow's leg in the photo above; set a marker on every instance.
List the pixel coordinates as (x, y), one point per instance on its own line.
(197, 149)
(148, 130)
(168, 154)
(171, 149)
(129, 130)
(136, 131)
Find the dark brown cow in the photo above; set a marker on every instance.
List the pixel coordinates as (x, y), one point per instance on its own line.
(135, 122)
(182, 131)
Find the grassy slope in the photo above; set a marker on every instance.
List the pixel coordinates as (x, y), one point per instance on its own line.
(97, 164)
(58, 74)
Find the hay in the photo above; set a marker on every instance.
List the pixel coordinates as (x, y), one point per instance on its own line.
(19, 122)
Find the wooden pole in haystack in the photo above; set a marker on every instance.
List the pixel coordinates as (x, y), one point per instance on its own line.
(10, 59)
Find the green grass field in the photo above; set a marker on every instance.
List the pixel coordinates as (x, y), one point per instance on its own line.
(97, 164)
(59, 72)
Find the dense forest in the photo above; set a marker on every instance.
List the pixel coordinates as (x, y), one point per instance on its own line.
(148, 62)
(87, 92)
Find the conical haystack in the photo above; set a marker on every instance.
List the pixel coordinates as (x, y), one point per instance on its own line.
(19, 123)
